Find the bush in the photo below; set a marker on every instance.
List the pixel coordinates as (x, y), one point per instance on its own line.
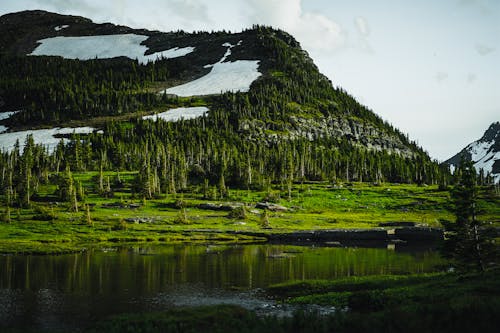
(182, 217)
(239, 213)
(44, 214)
(121, 225)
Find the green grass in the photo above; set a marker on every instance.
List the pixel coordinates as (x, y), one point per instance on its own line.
(380, 293)
(420, 303)
(311, 206)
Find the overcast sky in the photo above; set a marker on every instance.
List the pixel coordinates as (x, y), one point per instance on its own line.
(431, 68)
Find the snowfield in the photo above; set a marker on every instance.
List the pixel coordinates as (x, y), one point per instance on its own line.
(3, 128)
(42, 136)
(483, 157)
(179, 114)
(224, 76)
(103, 47)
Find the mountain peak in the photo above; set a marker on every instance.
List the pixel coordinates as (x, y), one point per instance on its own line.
(259, 86)
(492, 133)
(485, 153)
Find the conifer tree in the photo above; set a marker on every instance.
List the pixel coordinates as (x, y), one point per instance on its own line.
(468, 243)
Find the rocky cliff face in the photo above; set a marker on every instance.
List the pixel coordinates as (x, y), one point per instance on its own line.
(361, 134)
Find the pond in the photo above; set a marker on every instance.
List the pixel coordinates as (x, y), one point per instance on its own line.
(72, 291)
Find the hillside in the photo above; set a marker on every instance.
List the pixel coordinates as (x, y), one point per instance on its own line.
(267, 114)
(485, 153)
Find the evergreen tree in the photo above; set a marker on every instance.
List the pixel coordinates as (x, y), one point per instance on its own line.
(468, 242)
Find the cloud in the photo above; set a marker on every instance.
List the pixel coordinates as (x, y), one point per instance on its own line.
(362, 26)
(151, 14)
(483, 49)
(313, 30)
(471, 77)
(364, 31)
(441, 76)
(483, 6)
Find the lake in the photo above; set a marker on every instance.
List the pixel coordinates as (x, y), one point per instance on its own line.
(72, 291)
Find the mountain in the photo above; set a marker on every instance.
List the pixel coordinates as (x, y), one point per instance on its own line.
(264, 111)
(485, 153)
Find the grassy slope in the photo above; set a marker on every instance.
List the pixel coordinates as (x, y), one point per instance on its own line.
(313, 206)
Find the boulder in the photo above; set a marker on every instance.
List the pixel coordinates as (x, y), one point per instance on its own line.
(271, 207)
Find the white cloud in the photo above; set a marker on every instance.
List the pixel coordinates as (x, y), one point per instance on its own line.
(471, 77)
(362, 43)
(441, 76)
(312, 30)
(362, 26)
(484, 49)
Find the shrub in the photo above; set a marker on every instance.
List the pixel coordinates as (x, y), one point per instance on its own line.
(239, 213)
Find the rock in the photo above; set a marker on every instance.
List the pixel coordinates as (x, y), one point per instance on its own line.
(240, 223)
(220, 207)
(333, 244)
(271, 207)
(134, 205)
(113, 205)
(138, 220)
(419, 233)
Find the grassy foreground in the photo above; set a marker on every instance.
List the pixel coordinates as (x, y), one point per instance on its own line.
(418, 303)
(120, 216)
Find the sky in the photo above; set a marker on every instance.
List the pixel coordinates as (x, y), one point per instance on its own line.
(430, 68)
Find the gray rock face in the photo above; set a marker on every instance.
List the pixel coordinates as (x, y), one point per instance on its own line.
(358, 133)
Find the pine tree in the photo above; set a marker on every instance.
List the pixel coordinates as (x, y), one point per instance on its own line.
(468, 243)
(6, 215)
(88, 218)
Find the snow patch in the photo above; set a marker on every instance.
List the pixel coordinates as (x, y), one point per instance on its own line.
(224, 76)
(484, 157)
(41, 136)
(61, 27)
(452, 168)
(179, 114)
(3, 128)
(103, 47)
(6, 115)
(479, 149)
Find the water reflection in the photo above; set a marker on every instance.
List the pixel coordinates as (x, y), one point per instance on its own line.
(75, 289)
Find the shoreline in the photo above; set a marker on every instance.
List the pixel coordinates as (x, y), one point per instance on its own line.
(375, 237)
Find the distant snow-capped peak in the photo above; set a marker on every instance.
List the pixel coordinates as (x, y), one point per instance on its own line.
(485, 153)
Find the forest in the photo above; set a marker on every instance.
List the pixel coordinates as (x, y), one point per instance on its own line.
(219, 149)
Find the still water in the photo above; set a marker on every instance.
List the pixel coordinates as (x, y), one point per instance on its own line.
(72, 291)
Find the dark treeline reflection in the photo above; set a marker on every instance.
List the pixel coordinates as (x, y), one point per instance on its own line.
(153, 269)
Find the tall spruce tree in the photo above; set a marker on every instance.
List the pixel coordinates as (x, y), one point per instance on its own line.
(468, 242)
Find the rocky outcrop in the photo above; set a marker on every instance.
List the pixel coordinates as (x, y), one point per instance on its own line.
(361, 134)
